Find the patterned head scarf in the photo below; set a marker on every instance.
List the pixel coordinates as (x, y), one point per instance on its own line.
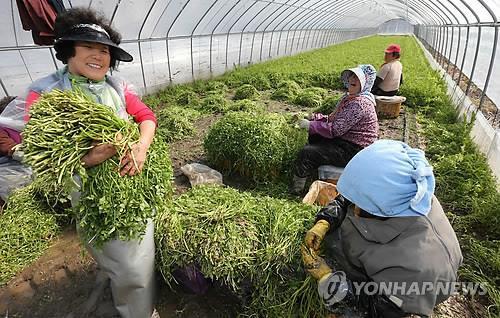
(366, 74)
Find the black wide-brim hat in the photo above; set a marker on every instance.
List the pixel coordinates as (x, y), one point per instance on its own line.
(95, 33)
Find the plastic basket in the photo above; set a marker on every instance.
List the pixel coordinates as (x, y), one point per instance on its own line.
(389, 106)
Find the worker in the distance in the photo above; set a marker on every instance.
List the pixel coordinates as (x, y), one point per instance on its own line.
(390, 75)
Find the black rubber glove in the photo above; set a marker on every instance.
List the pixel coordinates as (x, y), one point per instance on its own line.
(334, 213)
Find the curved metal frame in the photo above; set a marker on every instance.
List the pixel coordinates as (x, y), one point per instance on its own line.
(294, 23)
(307, 18)
(327, 25)
(276, 26)
(300, 28)
(314, 25)
(459, 37)
(303, 25)
(139, 45)
(493, 54)
(166, 38)
(231, 27)
(293, 10)
(265, 28)
(192, 33)
(243, 30)
(227, 38)
(478, 43)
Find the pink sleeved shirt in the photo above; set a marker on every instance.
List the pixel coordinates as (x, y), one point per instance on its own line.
(354, 120)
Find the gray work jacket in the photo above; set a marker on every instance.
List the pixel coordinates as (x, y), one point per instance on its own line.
(422, 250)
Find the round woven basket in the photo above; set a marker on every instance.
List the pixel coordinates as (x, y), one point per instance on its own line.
(389, 106)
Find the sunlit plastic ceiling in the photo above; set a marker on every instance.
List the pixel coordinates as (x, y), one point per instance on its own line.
(159, 19)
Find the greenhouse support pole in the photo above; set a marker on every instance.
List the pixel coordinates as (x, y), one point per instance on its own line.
(306, 14)
(255, 31)
(490, 69)
(493, 54)
(477, 45)
(265, 28)
(288, 31)
(114, 12)
(156, 24)
(463, 58)
(435, 41)
(459, 37)
(444, 47)
(331, 23)
(17, 41)
(456, 55)
(276, 26)
(434, 17)
(53, 57)
(229, 32)
(336, 36)
(329, 37)
(318, 25)
(328, 25)
(451, 47)
(139, 46)
(227, 38)
(243, 30)
(282, 29)
(439, 42)
(306, 18)
(4, 88)
(166, 38)
(297, 19)
(450, 22)
(325, 38)
(191, 38)
(314, 26)
(441, 26)
(474, 63)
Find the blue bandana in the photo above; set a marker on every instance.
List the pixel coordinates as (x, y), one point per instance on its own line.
(389, 179)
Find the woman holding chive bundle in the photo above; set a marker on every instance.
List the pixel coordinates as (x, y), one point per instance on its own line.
(89, 47)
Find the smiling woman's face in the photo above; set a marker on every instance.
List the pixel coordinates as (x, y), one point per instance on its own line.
(354, 85)
(91, 60)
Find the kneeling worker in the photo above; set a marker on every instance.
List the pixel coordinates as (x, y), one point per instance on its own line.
(388, 230)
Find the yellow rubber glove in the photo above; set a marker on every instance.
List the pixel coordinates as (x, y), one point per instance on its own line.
(314, 264)
(316, 234)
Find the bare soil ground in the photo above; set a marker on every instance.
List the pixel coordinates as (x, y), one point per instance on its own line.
(61, 282)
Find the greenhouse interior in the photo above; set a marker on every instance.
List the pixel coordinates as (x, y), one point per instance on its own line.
(249, 158)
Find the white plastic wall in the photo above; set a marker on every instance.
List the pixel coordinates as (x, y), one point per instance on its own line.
(484, 135)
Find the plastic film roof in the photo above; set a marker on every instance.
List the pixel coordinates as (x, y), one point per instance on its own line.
(175, 41)
(158, 19)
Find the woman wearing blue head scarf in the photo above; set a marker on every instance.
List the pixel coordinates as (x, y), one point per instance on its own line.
(386, 230)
